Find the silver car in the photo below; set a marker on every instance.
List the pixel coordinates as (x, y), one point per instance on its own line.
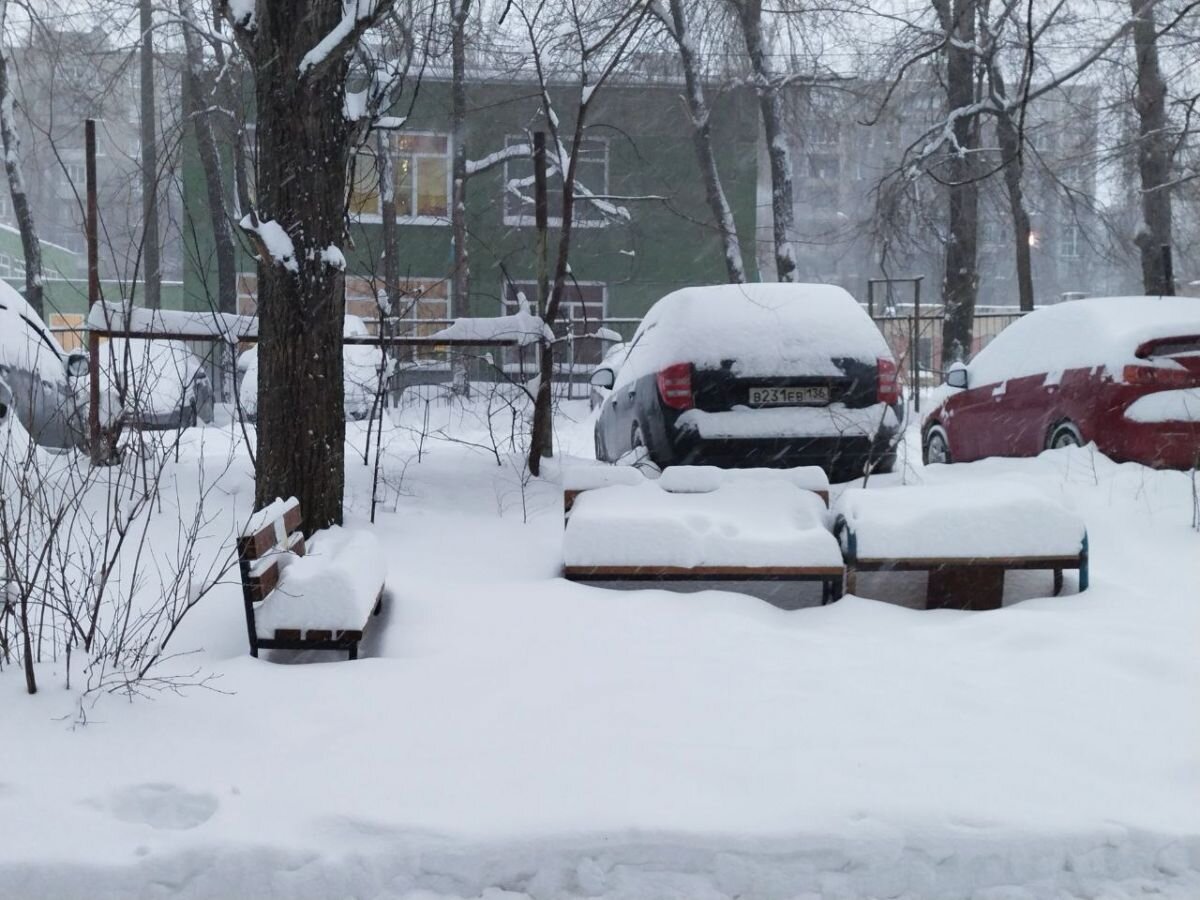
(42, 380)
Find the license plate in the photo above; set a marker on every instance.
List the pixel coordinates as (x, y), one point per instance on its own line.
(789, 396)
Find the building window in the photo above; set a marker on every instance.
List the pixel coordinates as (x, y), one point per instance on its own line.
(591, 174)
(5, 265)
(824, 166)
(73, 175)
(824, 133)
(420, 178)
(1072, 242)
(581, 313)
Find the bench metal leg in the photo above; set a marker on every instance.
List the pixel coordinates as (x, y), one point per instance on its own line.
(1058, 581)
(354, 651)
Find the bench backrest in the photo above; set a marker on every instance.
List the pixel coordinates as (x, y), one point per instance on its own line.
(271, 531)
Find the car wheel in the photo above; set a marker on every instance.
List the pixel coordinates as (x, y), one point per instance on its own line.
(936, 449)
(1064, 434)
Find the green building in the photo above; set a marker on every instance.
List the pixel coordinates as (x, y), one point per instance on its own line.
(646, 231)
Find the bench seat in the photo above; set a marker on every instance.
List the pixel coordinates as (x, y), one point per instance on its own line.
(333, 587)
(698, 523)
(966, 538)
(314, 594)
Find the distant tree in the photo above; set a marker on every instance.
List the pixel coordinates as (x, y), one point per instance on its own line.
(767, 86)
(676, 18)
(1154, 152)
(30, 245)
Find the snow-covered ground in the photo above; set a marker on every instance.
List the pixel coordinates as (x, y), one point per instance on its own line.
(512, 735)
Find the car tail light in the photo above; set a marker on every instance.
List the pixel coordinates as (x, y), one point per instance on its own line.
(887, 380)
(675, 386)
(1158, 377)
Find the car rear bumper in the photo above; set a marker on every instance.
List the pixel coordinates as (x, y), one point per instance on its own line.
(1161, 445)
(841, 458)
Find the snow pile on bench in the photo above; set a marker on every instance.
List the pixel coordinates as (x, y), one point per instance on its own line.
(736, 522)
(587, 478)
(138, 321)
(334, 586)
(996, 519)
(272, 512)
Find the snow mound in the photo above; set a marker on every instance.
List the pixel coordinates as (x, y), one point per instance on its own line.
(333, 586)
(993, 518)
(751, 522)
(765, 329)
(123, 316)
(1082, 334)
(523, 327)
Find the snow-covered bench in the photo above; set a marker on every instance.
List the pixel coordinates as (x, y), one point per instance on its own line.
(700, 523)
(966, 538)
(317, 594)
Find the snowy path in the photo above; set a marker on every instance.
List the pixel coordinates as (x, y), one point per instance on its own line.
(513, 735)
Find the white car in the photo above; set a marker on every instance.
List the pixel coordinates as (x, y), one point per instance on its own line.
(361, 365)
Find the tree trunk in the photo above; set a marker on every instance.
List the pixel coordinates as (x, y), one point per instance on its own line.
(1154, 153)
(778, 154)
(303, 152)
(460, 277)
(152, 266)
(542, 443)
(203, 99)
(541, 438)
(387, 212)
(30, 244)
(1009, 138)
(961, 281)
(702, 140)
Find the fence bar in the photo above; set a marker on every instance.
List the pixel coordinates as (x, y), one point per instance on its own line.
(93, 263)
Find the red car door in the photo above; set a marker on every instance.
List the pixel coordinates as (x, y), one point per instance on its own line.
(971, 413)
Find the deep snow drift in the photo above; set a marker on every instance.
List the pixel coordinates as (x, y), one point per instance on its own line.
(513, 735)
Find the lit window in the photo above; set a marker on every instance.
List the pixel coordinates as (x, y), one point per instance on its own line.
(420, 178)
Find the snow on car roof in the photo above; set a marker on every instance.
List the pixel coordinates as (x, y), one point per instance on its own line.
(1080, 334)
(766, 329)
(27, 345)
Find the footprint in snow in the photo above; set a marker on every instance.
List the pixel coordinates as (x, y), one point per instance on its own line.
(163, 806)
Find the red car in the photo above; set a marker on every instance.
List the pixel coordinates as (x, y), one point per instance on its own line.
(1121, 371)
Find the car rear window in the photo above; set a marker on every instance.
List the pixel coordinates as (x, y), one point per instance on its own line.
(761, 329)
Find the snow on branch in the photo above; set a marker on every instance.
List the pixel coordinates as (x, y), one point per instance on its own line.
(513, 151)
(271, 241)
(357, 17)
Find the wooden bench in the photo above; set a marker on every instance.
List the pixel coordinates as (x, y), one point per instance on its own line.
(268, 543)
(959, 580)
(828, 571)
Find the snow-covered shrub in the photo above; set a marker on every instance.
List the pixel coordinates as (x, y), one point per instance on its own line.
(99, 565)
